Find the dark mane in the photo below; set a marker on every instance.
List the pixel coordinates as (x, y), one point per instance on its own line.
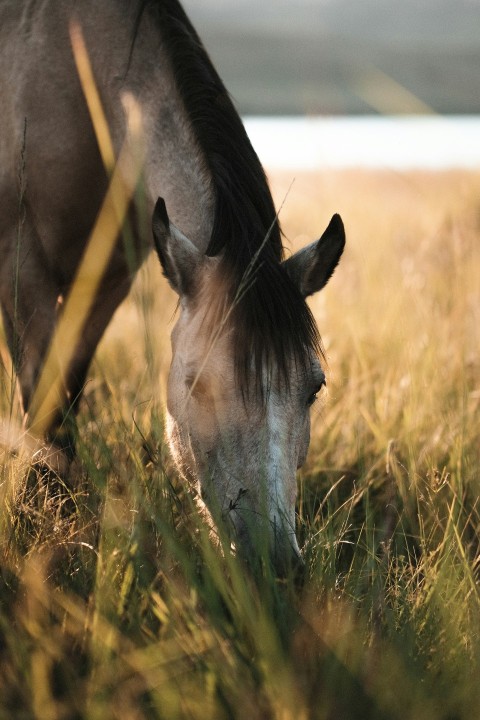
(271, 319)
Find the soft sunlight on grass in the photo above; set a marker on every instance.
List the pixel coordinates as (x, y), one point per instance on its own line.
(115, 603)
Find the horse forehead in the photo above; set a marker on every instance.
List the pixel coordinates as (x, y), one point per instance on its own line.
(207, 349)
(212, 355)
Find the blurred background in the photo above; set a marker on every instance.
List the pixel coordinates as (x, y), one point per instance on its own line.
(352, 59)
(336, 56)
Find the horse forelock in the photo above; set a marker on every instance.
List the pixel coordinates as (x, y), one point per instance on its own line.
(271, 322)
(268, 322)
(274, 330)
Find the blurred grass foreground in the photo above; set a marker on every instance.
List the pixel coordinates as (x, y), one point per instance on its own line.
(114, 603)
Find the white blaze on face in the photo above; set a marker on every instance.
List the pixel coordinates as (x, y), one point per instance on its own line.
(283, 432)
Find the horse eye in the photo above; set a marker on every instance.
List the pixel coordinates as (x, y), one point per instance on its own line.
(311, 398)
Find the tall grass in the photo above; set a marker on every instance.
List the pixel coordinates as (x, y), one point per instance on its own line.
(115, 602)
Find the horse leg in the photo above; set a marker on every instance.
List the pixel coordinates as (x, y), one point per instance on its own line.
(29, 302)
(28, 296)
(112, 292)
(61, 435)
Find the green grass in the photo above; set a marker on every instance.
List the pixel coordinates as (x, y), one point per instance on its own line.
(116, 603)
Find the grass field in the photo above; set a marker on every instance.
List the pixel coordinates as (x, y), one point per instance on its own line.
(114, 602)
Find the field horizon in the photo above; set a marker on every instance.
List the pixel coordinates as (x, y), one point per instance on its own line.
(115, 602)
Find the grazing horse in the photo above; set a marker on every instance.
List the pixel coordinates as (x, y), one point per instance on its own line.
(245, 367)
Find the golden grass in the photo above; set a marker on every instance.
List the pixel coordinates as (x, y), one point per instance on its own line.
(121, 608)
(401, 317)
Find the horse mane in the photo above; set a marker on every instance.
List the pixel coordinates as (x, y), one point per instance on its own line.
(272, 322)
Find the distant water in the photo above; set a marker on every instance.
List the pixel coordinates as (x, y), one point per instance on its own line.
(401, 143)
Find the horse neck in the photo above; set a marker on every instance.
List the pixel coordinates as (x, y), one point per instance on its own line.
(175, 168)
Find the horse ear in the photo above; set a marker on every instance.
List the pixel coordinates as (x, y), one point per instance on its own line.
(178, 255)
(312, 267)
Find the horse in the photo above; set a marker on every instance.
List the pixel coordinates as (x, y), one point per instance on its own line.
(246, 350)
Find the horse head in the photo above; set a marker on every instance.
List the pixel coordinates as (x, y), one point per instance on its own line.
(239, 446)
